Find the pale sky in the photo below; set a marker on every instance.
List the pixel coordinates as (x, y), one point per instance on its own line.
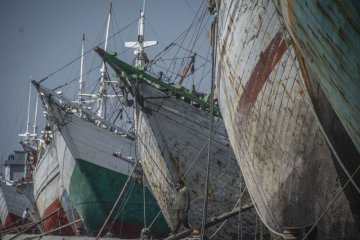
(38, 37)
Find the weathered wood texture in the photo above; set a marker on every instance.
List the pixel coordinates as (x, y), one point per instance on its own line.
(285, 161)
(173, 139)
(328, 36)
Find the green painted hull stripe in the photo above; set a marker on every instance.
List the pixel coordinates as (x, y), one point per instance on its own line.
(94, 190)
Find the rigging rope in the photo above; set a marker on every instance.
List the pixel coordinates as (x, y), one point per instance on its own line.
(255, 177)
(118, 199)
(210, 135)
(144, 197)
(67, 83)
(151, 157)
(313, 110)
(53, 230)
(87, 52)
(240, 216)
(157, 215)
(236, 204)
(202, 148)
(36, 223)
(121, 208)
(285, 153)
(263, 220)
(142, 142)
(331, 203)
(185, 33)
(226, 182)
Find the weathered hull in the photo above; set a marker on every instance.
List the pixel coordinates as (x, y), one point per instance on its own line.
(12, 205)
(173, 144)
(93, 177)
(284, 158)
(328, 36)
(47, 191)
(328, 41)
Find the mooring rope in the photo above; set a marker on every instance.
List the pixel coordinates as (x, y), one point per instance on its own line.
(214, 25)
(118, 199)
(53, 230)
(36, 223)
(331, 203)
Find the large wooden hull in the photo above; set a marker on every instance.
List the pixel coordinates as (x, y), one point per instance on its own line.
(95, 163)
(327, 37)
(47, 191)
(173, 144)
(285, 160)
(327, 34)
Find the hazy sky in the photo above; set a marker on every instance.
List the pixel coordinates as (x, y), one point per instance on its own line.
(37, 37)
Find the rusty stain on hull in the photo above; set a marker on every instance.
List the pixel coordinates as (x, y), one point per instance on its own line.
(265, 65)
(272, 129)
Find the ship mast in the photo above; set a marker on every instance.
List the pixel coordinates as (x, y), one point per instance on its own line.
(29, 143)
(28, 116)
(141, 44)
(26, 135)
(81, 82)
(102, 90)
(35, 118)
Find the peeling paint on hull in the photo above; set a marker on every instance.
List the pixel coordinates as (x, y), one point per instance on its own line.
(173, 137)
(272, 129)
(327, 36)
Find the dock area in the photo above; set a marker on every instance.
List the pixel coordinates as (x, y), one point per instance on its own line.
(37, 237)
(34, 236)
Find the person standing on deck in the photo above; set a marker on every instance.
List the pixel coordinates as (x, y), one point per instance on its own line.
(182, 206)
(25, 215)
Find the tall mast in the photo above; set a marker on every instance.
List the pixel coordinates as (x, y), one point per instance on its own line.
(141, 43)
(81, 82)
(102, 89)
(26, 135)
(35, 117)
(28, 115)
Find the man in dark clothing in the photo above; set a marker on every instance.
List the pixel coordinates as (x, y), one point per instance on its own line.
(182, 206)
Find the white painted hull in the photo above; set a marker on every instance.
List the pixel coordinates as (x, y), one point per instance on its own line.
(95, 162)
(96, 145)
(48, 187)
(46, 179)
(285, 161)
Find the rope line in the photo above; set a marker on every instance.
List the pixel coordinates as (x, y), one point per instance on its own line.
(236, 204)
(87, 52)
(118, 199)
(210, 134)
(331, 203)
(315, 113)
